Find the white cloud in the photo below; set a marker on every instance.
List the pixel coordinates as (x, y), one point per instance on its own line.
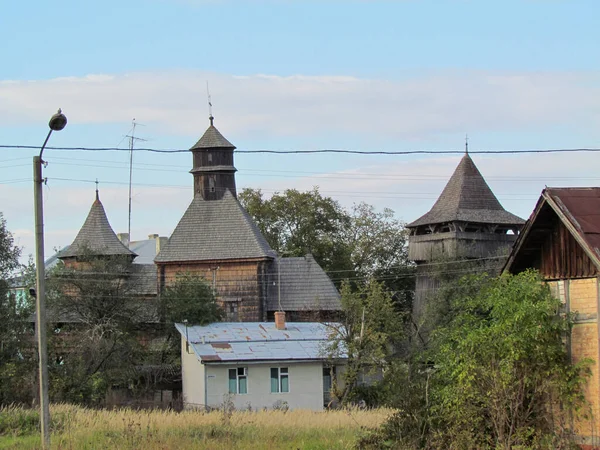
(411, 107)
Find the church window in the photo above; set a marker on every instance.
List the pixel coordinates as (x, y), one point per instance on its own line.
(211, 184)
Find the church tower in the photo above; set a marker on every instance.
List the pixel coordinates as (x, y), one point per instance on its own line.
(213, 169)
(466, 222)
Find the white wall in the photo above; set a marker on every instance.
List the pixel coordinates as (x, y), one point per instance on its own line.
(192, 372)
(305, 380)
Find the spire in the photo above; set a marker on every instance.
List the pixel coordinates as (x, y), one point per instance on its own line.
(468, 198)
(96, 236)
(466, 144)
(97, 195)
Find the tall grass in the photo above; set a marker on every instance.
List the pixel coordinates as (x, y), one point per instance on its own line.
(84, 428)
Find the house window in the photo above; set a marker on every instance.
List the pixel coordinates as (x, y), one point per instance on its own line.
(238, 381)
(280, 381)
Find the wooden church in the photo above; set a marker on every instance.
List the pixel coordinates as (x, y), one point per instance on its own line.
(467, 222)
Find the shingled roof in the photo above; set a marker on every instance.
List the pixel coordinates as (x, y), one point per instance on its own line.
(304, 287)
(212, 138)
(215, 230)
(467, 198)
(96, 236)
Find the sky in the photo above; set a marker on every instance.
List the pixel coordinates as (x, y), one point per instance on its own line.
(370, 75)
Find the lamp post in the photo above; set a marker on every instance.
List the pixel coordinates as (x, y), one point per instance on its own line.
(57, 122)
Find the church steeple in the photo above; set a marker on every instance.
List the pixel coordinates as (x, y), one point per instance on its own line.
(214, 172)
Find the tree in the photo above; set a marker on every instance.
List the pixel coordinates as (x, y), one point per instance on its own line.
(16, 349)
(356, 244)
(297, 223)
(99, 317)
(496, 373)
(366, 336)
(190, 298)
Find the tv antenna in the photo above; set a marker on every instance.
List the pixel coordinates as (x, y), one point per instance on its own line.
(132, 140)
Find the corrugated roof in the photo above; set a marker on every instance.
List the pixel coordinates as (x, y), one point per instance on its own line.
(212, 138)
(215, 230)
(96, 236)
(467, 198)
(304, 287)
(253, 341)
(578, 208)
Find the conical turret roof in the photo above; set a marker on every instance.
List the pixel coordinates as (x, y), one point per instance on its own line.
(467, 198)
(96, 236)
(212, 138)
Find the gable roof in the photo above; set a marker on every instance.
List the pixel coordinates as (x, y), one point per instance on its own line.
(304, 287)
(467, 198)
(96, 236)
(224, 342)
(215, 230)
(577, 208)
(212, 138)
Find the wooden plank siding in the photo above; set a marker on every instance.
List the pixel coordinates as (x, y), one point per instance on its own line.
(562, 256)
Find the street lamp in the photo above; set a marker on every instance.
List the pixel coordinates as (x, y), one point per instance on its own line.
(57, 122)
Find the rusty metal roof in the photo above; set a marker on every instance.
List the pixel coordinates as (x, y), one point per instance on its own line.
(577, 208)
(257, 341)
(581, 207)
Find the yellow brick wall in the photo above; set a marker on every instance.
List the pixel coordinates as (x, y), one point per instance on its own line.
(583, 296)
(583, 299)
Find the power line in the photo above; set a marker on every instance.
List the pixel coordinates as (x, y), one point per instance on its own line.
(318, 151)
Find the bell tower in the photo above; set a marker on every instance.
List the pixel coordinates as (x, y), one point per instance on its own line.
(213, 170)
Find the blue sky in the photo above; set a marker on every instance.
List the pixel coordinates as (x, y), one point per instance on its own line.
(369, 75)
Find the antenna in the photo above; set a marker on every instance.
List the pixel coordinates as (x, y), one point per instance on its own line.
(466, 144)
(210, 115)
(132, 140)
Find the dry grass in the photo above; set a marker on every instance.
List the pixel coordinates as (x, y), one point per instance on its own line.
(77, 427)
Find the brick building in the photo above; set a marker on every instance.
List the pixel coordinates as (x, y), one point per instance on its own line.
(562, 241)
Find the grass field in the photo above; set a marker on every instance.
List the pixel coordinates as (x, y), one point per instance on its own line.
(75, 427)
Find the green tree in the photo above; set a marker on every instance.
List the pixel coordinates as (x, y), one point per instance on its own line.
(366, 335)
(355, 244)
(297, 223)
(190, 298)
(16, 349)
(496, 373)
(98, 314)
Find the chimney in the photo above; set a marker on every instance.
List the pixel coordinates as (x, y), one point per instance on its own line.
(152, 236)
(124, 238)
(280, 320)
(160, 242)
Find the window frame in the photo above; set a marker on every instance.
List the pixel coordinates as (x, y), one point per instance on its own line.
(280, 376)
(238, 376)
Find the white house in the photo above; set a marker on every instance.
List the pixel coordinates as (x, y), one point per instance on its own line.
(256, 365)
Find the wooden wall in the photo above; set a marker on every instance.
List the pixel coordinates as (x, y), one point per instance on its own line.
(241, 286)
(561, 256)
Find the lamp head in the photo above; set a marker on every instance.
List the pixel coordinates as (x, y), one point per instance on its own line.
(58, 121)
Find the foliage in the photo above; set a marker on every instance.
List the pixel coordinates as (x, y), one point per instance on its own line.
(190, 298)
(355, 244)
(97, 314)
(496, 374)
(16, 349)
(367, 333)
(296, 223)
(77, 427)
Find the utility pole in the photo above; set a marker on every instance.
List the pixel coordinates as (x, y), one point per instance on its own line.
(57, 122)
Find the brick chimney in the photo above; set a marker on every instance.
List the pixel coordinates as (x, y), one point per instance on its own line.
(124, 238)
(161, 241)
(280, 320)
